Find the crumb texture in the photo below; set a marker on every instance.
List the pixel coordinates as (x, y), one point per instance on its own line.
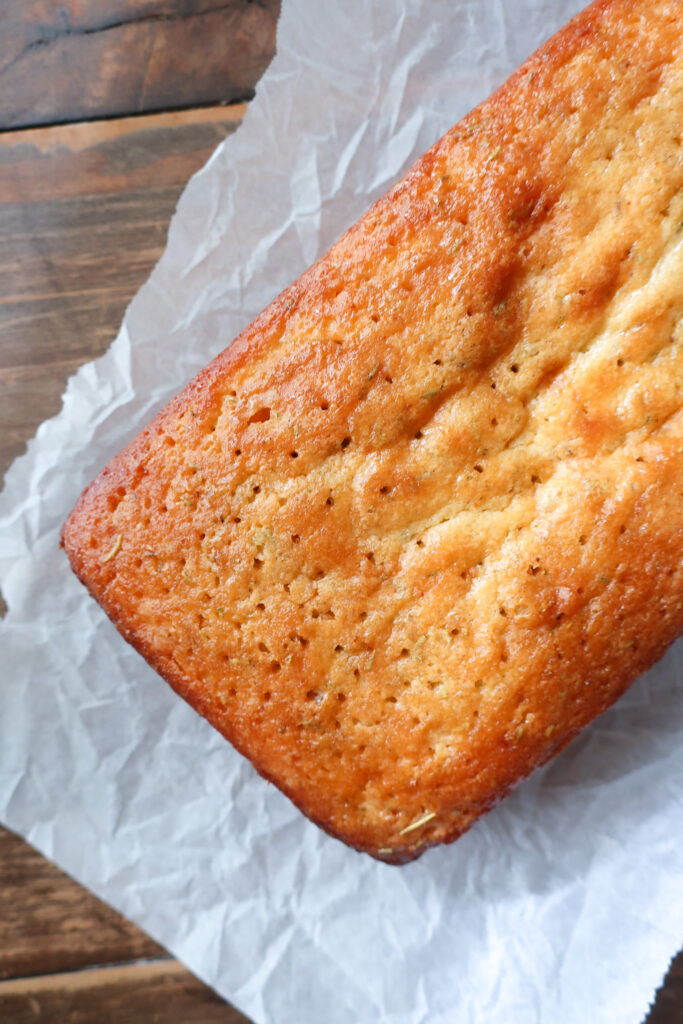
(423, 521)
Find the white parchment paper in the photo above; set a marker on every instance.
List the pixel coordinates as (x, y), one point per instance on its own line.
(563, 905)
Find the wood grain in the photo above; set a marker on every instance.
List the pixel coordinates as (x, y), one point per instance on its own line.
(71, 61)
(84, 211)
(161, 992)
(49, 924)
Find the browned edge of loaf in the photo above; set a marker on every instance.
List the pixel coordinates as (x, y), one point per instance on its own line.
(247, 347)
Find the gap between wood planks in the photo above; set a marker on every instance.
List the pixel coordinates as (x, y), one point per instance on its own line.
(170, 114)
(92, 976)
(162, 991)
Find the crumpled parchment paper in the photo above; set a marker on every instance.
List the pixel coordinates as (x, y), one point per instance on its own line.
(563, 905)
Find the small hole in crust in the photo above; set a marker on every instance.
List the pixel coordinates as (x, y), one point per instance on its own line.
(345, 443)
(260, 416)
(324, 406)
(295, 538)
(514, 368)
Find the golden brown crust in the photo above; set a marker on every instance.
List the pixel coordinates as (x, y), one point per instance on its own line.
(423, 520)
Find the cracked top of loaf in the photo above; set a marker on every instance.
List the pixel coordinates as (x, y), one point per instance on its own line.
(423, 520)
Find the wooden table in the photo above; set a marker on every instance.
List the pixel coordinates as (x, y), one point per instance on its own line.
(86, 194)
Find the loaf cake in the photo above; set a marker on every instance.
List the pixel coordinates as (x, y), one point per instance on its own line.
(423, 520)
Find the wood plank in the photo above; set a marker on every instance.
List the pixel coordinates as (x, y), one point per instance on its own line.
(49, 923)
(94, 158)
(84, 211)
(668, 1005)
(161, 992)
(84, 60)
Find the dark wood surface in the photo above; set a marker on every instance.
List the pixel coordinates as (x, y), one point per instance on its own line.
(84, 209)
(51, 930)
(50, 925)
(77, 60)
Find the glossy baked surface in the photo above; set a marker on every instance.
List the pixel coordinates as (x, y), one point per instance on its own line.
(423, 520)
